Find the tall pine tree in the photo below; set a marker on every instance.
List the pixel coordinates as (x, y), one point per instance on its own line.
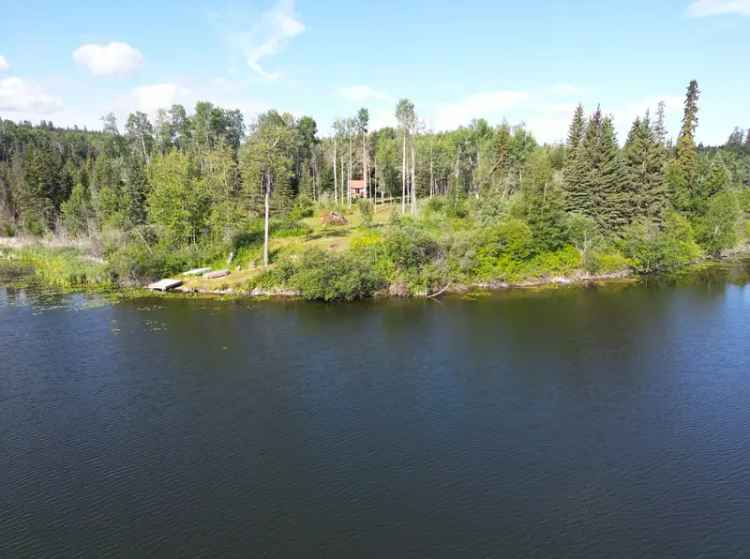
(644, 157)
(683, 172)
(596, 183)
(574, 170)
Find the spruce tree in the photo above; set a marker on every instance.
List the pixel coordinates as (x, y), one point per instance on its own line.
(684, 171)
(574, 170)
(735, 138)
(644, 157)
(577, 128)
(660, 129)
(613, 203)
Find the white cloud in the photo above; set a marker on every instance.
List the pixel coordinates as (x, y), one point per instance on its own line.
(490, 105)
(3, 63)
(21, 96)
(362, 93)
(150, 98)
(703, 8)
(108, 59)
(273, 30)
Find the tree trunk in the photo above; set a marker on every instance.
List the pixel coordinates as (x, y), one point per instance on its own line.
(364, 163)
(349, 175)
(413, 176)
(403, 177)
(265, 225)
(335, 174)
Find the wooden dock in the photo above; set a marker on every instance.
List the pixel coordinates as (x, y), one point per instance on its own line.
(164, 285)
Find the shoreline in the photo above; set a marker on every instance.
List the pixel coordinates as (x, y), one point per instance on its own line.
(578, 278)
(581, 279)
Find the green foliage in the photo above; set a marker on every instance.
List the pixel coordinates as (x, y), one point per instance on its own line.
(409, 247)
(77, 212)
(64, 268)
(543, 203)
(366, 209)
(651, 249)
(325, 276)
(644, 157)
(139, 257)
(596, 183)
(717, 230)
(303, 207)
(179, 199)
(606, 261)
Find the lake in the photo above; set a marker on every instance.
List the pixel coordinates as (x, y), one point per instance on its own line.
(609, 421)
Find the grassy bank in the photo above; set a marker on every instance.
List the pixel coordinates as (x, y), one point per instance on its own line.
(60, 267)
(450, 245)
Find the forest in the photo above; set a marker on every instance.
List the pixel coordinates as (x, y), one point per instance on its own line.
(481, 204)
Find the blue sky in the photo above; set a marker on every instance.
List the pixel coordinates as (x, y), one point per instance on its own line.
(530, 61)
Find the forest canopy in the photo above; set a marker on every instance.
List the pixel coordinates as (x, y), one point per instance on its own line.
(192, 185)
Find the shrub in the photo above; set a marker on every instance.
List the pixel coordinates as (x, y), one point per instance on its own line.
(328, 276)
(606, 261)
(64, 268)
(650, 249)
(365, 211)
(324, 276)
(717, 230)
(409, 247)
(563, 261)
(303, 207)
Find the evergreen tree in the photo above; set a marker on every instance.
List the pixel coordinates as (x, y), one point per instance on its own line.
(574, 167)
(683, 174)
(736, 138)
(613, 203)
(135, 192)
(660, 129)
(543, 203)
(77, 211)
(577, 128)
(644, 158)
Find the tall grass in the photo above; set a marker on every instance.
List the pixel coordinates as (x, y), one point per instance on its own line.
(63, 267)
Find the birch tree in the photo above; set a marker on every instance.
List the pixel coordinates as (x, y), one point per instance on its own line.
(267, 164)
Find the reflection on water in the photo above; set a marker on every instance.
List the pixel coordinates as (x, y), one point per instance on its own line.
(608, 421)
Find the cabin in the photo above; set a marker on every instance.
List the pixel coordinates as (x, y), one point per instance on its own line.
(357, 188)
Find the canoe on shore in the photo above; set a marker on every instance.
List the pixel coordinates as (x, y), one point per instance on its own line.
(164, 285)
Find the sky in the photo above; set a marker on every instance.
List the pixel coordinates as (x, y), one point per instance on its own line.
(526, 62)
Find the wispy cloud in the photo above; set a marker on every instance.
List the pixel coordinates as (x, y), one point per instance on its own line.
(21, 96)
(3, 63)
(704, 8)
(362, 93)
(268, 34)
(108, 59)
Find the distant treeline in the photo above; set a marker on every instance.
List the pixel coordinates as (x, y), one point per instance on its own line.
(205, 177)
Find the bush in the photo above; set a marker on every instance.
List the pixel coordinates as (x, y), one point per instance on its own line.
(409, 247)
(140, 256)
(303, 207)
(563, 261)
(717, 230)
(64, 268)
(651, 250)
(365, 211)
(606, 261)
(324, 276)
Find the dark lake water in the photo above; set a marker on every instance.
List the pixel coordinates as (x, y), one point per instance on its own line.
(570, 423)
